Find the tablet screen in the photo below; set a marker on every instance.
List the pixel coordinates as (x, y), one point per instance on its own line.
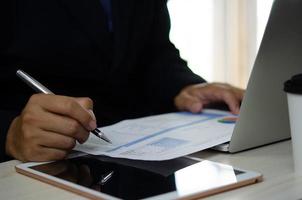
(129, 182)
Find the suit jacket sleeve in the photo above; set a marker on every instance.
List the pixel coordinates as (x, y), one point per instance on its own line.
(167, 73)
(6, 118)
(6, 114)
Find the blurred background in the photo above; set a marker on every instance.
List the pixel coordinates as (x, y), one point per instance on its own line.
(219, 38)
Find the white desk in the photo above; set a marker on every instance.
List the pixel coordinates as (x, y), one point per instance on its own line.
(273, 161)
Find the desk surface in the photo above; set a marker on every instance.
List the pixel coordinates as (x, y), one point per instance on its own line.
(273, 161)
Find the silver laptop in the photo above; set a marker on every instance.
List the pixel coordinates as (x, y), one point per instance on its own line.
(263, 117)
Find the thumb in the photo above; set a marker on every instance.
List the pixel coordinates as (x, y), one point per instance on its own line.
(189, 103)
(195, 107)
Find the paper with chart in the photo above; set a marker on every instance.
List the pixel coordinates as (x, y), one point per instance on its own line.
(161, 137)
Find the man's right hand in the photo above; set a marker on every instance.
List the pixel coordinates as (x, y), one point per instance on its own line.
(49, 127)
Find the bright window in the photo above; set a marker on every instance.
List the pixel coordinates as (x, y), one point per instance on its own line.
(196, 30)
(192, 33)
(263, 10)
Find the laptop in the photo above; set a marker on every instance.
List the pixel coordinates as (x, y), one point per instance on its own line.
(264, 116)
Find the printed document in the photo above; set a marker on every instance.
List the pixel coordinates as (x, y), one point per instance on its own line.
(162, 137)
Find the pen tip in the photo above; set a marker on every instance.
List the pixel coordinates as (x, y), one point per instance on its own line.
(106, 139)
(101, 135)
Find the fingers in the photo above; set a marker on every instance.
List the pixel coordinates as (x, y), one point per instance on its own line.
(49, 127)
(232, 102)
(57, 141)
(232, 97)
(187, 102)
(29, 143)
(239, 94)
(87, 104)
(63, 125)
(218, 92)
(195, 97)
(67, 106)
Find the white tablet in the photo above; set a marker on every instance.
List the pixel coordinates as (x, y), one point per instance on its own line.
(98, 178)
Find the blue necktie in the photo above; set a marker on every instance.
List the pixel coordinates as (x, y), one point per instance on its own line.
(108, 11)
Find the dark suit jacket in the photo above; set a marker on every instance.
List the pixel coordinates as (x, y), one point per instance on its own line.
(66, 45)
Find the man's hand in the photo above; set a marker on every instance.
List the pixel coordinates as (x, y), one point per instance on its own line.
(49, 127)
(195, 97)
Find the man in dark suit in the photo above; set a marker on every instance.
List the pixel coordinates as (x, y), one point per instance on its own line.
(116, 52)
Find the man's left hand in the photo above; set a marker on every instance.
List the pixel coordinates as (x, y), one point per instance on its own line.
(194, 98)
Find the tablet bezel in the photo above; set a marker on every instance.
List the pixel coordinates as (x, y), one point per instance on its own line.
(246, 178)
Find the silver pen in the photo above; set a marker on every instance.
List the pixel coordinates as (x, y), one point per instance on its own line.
(38, 87)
